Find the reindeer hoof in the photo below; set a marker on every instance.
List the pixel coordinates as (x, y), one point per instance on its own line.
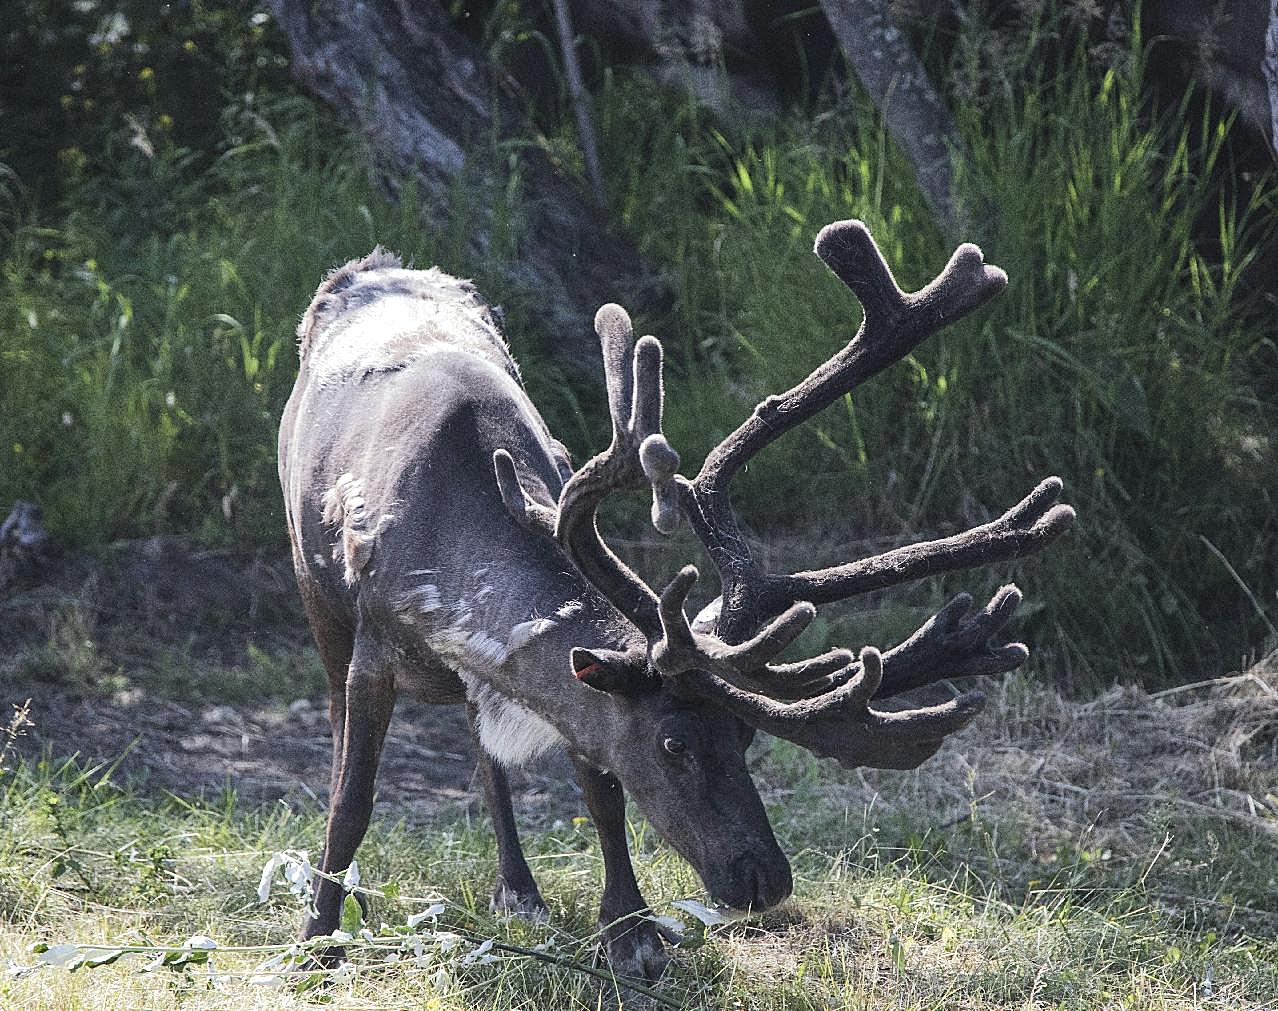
(323, 960)
(522, 903)
(635, 950)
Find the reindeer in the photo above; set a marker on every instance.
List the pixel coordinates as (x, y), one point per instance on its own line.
(445, 547)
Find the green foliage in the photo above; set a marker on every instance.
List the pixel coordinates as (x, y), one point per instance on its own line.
(80, 75)
(149, 340)
(1127, 354)
(147, 317)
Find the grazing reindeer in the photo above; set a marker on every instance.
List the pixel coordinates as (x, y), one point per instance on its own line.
(445, 547)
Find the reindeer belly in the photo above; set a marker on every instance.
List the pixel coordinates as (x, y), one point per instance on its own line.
(435, 685)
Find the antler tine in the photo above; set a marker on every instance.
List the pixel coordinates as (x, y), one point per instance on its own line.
(841, 724)
(616, 344)
(633, 375)
(524, 507)
(1026, 528)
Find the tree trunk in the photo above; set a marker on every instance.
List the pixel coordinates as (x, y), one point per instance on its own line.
(714, 50)
(1269, 70)
(893, 75)
(402, 76)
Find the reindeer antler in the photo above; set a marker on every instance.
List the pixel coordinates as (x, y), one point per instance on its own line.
(632, 372)
(893, 325)
(828, 710)
(822, 703)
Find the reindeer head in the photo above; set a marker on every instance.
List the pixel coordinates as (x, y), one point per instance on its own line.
(694, 697)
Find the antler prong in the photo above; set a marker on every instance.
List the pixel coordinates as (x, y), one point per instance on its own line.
(616, 339)
(674, 622)
(522, 506)
(645, 411)
(660, 463)
(774, 637)
(1024, 529)
(849, 250)
(933, 722)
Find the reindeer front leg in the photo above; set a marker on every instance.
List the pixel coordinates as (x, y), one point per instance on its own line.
(516, 890)
(631, 943)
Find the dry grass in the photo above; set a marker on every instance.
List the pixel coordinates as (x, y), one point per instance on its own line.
(1116, 767)
(1113, 853)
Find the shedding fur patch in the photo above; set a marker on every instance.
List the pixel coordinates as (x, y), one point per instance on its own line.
(328, 296)
(526, 631)
(510, 733)
(569, 610)
(345, 508)
(424, 599)
(374, 315)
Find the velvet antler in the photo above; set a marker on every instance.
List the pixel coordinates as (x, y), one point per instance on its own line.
(826, 710)
(822, 703)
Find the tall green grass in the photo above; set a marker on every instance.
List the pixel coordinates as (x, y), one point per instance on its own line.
(149, 342)
(1124, 355)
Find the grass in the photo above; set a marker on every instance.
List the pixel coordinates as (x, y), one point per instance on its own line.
(151, 335)
(76, 659)
(1068, 855)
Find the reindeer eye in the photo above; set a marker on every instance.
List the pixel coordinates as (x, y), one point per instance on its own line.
(674, 746)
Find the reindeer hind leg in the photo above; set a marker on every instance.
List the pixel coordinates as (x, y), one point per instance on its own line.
(369, 699)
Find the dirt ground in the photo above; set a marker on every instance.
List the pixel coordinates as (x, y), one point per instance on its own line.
(79, 633)
(270, 752)
(1114, 764)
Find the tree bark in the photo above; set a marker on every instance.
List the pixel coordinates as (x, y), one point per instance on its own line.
(713, 50)
(403, 77)
(1269, 70)
(898, 85)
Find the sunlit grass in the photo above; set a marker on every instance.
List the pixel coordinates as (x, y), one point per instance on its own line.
(150, 339)
(926, 890)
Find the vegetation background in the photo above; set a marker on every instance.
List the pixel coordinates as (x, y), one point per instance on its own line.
(169, 200)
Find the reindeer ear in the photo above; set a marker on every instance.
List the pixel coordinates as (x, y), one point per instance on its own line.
(606, 670)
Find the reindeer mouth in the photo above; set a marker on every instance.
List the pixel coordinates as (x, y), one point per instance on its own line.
(750, 886)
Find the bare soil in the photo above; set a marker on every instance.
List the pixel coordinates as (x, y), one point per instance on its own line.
(269, 752)
(82, 634)
(1121, 768)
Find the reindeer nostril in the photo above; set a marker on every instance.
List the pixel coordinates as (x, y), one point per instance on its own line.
(758, 884)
